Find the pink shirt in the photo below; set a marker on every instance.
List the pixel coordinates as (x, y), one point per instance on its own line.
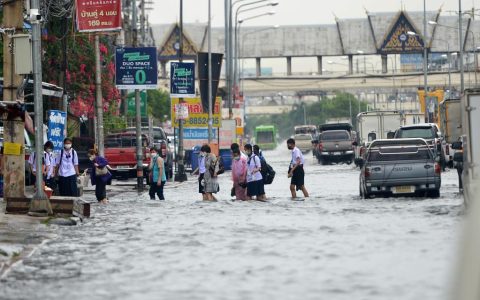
(239, 169)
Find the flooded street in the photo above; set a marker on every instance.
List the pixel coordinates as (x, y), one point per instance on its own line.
(333, 245)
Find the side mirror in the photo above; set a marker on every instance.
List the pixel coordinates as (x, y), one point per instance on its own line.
(314, 142)
(169, 141)
(354, 143)
(457, 145)
(390, 134)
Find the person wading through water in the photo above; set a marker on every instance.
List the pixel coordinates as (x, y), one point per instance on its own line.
(158, 176)
(295, 171)
(255, 187)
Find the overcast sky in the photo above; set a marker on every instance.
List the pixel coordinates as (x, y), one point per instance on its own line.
(295, 12)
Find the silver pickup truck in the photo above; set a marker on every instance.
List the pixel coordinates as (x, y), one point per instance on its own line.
(335, 146)
(400, 166)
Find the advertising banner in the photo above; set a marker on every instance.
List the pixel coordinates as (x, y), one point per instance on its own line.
(56, 129)
(228, 133)
(197, 136)
(143, 104)
(196, 116)
(98, 15)
(136, 68)
(182, 80)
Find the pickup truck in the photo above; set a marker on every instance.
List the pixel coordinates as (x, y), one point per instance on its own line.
(400, 166)
(120, 151)
(335, 146)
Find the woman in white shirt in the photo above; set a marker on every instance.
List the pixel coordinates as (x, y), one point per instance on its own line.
(67, 170)
(255, 187)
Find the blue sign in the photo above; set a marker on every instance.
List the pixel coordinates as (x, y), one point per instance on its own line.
(182, 80)
(136, 68)
(198, 133)
(57, 121)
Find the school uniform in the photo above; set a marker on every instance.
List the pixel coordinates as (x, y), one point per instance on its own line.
(67, 174)
(298, 176)
(255, 186)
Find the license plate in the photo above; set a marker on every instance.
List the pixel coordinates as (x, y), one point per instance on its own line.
(123, 167)
(407, 189)
(337, 153)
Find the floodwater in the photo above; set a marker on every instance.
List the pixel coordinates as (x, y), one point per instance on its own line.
(333, 245)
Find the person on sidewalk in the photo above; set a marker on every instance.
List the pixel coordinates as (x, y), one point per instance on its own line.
(99, 175)
(157, 175)
(49, 165)
(67, 170)
(255, 186)
(295, 171)
(239, 174)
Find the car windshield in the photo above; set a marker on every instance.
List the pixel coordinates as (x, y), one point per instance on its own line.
(265, 137)
(303, 130)
(399, 153)
(123, 141)
(303, 136)
(334, 136)
(424, 133)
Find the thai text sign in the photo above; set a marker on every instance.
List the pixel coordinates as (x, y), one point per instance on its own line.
(98, 15)
(196, 116)
(197, 136)
(56, 128)
(181, 111)
(182, 80)
(136, 68)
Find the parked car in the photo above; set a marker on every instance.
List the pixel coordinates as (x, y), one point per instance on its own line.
(430, 133)
(400, 166)
(335, 146)
(121, 150)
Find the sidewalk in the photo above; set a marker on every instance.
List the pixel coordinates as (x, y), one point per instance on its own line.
(19, 236)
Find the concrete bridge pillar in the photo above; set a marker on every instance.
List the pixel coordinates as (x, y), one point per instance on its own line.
(320, 65)
(289, 65)
(258, 66)
(384, 63)
(350, 64)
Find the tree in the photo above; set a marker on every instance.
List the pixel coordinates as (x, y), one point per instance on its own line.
(159, 104)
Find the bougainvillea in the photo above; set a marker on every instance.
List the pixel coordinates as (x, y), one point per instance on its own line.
(80, 71)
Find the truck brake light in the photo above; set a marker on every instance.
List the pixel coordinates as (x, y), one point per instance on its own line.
(438, 169)
(320, 147)
(366, 172)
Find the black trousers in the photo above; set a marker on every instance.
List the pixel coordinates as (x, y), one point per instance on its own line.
(100, 189)
(68, 186)
(155, 189)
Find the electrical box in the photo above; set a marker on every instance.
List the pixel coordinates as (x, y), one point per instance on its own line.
(22, 45)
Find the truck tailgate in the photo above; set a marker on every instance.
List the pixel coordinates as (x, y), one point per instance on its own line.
(340, 145)
(121, 156)
(397, 173)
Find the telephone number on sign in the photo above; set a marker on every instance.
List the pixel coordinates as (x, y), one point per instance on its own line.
(201, 121)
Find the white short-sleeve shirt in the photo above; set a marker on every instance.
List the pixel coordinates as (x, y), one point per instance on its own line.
(296, 153)
(253, 162)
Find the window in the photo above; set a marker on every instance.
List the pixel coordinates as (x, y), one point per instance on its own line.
(265, 137)
(399, 153)
(424, 133)
(334, 136)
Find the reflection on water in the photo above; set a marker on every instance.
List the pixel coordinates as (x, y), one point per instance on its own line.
(332, 246)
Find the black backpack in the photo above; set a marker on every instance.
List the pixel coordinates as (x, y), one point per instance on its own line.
(268, 174)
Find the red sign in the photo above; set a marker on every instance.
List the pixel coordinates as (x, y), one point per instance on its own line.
(98, 15)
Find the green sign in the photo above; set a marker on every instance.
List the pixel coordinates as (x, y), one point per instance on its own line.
(143, 104)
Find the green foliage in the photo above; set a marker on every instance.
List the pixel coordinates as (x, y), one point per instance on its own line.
(159, 104)
(316, 113)
(112, 122)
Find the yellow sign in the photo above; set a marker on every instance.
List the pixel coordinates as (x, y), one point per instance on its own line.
(12, 149)
(196, 116)
(430, 105)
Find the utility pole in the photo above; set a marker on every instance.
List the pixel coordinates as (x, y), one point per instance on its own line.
(98, 98)
(64, 45)
(210, 121)
(460, 49)
(14, 165)
(138, 115)
(425, 59)
(142, 22)
(180, 176)
(40, 204)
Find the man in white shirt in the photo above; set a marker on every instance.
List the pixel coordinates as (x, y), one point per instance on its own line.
(296, 171)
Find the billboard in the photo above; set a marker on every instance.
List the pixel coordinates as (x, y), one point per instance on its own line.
(197, 117)
(136, 68)
(98, 15)
(182, 80)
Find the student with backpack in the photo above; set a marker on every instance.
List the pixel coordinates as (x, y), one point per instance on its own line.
(67, 169)
(255, 187)
(268, 174)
